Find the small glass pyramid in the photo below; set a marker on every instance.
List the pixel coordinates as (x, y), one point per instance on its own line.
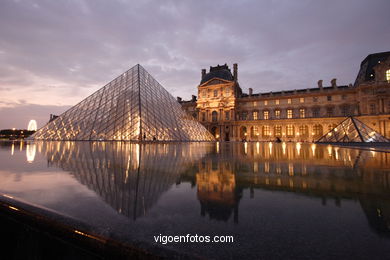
(132, 107)
(351, 130)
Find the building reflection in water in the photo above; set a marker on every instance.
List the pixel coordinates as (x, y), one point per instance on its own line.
(132, 177)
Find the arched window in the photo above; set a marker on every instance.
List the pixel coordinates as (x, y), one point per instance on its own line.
(317, 130)
(214, 116)
(388, 75)
(303, 130)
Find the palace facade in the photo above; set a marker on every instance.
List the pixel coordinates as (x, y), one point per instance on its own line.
(291, 115)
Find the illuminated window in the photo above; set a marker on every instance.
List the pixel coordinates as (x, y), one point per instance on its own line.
(303, 130)
(227, 115)
(255, 115)
(204, 94)
(289, 113)
(215, 93)
(301, 100)
(277, 102)
(255, 130)
(266, 130)
(290, 130)
(289, 101)
(277, 114)
(254, 103)
(302, 113)
(317, 130)
(265, 102)
(227, 91)
(388, 75)
(266, 114)
(278, 131)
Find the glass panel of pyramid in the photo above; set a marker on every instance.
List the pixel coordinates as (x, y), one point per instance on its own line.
(352, 130)
(132, 107)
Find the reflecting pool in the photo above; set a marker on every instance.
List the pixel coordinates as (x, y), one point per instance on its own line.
(277, 200)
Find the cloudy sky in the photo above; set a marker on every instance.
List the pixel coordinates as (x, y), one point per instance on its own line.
(55, 53)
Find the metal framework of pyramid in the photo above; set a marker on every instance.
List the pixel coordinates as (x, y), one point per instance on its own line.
(132, 107)
(352, 130)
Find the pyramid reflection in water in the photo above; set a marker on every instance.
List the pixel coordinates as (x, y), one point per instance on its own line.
(352, 130)
(132, 107)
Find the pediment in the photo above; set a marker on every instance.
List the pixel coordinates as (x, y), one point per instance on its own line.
(216, 81)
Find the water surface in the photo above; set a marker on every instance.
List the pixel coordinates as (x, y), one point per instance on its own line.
(287, 200)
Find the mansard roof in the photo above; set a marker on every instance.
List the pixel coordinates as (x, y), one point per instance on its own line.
(219, 71)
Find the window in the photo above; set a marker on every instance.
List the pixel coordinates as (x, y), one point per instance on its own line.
(227, 91)
(266, 114)
(227, 115)
(216, 93)
(303, 130)
(277, 114)
(265, 102)
(204, 93)
(372, 109)
(317, 130)
(388, 75)
(277, 102)
(302, 113)
(301, 100)
(203, 116)
(289, 113)
(315, 99)
(278, 131)
(344, 97)
(345, 110)
(290, 130)
(266, 130)
(243, 115)
(255, 131)
(316, 111)
(329, 111)
(254, 103)
(329, 98)
(289, 101)
(214, 116)
(255, 115)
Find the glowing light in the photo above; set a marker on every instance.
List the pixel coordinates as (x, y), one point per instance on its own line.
(12, 149)
(270, 147)
(313, 148)
(245, 147)
(284, 147)
(32, 125)
(30, 152)
(298, 147)
(329, 150)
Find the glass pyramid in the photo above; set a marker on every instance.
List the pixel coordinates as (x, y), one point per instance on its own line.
(351, 130)
(132, 107)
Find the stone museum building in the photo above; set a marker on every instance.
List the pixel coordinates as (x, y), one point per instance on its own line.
(291, 115)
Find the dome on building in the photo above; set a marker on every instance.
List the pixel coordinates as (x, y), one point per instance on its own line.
(367, 72)
(219, 71)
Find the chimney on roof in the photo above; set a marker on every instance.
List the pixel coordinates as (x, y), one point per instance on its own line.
(333, 82)
(203, 73)
(320, 84)
(235, 71)
(193, 99)
(250, 91)
(179, 99)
